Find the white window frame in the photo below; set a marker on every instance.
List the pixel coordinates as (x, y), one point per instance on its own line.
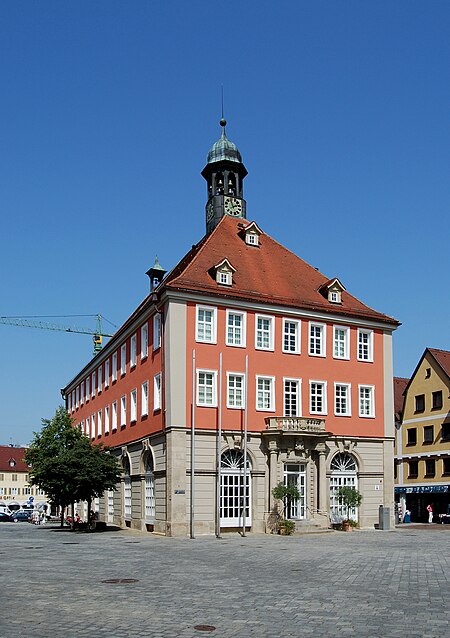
(298, 383)
(93, 427)
(348, 398)
(99, 423)
(107, 415)
(231, 389)
(297, 335)
(322, 383)
(99, 378)
(263, 332)
(144, 399)
(133, 405)
(204, 403)
(93, 383)
(123, 359)
(123, 410)
(157, 392)
(114, 416)
(77, 396)
(369, 345)
(224, 277)
(144, 340)
(133, 351)
(107, 373)
(322, 339)
(362, 412)
(213, 311)
(271, 389)
(114, 367)
(345, 342)
(88, 388)
(156, 331)
(243, 341)
(82, 393)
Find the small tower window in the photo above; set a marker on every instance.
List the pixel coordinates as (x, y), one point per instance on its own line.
(252, 234)
(224, 273)
(334, 296)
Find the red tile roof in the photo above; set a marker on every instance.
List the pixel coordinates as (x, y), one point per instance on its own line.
(9, 454)
(400, 384)
(268, 273)
(443, 359)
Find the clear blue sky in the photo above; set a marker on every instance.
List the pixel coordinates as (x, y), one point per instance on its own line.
(340, 110)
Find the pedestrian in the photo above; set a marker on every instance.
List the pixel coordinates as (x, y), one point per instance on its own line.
(430, 512)
(407, 516)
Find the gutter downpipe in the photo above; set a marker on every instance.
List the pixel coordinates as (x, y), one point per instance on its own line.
(193, 447)
(218, 448)
(245, 446)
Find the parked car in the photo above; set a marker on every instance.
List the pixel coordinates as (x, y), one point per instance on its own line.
(5, 518)
(21, 516)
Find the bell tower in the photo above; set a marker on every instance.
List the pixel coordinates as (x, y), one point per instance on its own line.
(224, 174)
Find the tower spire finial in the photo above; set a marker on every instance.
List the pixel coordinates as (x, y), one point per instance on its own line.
(223, 121)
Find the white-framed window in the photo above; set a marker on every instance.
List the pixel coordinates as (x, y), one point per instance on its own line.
(83, 427)
(144, 399)
(318, 397)
(342, 399)
(123, 411)
(365, 345)
(99, 379)
(107, 373)
(114, 366)
(334, 296)
(236, 328)
(110, 497)
(235, 390)
(87, 430)
(207, 387)
(107, 419)
(225, 278)
(149, 489)
(133, 351)
(292, 397)
(93, 384)
(93, 426)
(123, 358)
(99, 423)
(156, 331)
(114, 416)
(77, 396)
(157, 392)
(291, 336)
(264, 332)
(317, 339)
(88, 388)
(133, 405)
(265, 393)
(82, 393)
(235, 489)
(366, 401)
(206, 324)
(144, 340)
(344, 473)
(341, 342)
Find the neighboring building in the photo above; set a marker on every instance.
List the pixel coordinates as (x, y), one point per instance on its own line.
(15, 490)
(422, 454)
(242, 336)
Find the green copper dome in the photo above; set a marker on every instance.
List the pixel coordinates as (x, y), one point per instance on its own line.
(223, 149)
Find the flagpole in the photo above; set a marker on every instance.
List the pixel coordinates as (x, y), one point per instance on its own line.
(218, 449)
(245, 446)
(193, 446)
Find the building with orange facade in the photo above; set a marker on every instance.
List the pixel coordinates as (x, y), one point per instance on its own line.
(243, 367)
(422, 449)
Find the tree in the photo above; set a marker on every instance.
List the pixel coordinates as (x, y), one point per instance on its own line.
(349, 497)
(66, 465)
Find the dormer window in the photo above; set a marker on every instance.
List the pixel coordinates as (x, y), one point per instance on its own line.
(224, 273)
(12, 463)
(252, 233)
(332, 290)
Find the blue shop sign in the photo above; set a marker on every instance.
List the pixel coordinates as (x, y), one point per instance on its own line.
(421, 489)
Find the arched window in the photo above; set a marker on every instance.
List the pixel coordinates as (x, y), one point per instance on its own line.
(234, 496)
(344, 472)
(126, 489)
(149, 494)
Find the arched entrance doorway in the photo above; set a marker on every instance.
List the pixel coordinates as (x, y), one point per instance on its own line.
(344, 472)
(234, 496)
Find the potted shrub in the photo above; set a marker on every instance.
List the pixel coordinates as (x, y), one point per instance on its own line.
(350, 498)
(286, 494)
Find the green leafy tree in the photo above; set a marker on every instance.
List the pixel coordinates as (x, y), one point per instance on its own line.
(349, 497)
(67, 466)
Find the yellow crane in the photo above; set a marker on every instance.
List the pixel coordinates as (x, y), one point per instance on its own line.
(34, 321)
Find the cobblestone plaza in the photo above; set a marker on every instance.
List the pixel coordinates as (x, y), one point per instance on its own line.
(124, 584)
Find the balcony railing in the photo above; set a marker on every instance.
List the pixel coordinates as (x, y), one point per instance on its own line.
(294, 424)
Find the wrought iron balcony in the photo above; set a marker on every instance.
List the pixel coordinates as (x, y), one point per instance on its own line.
(294, 424)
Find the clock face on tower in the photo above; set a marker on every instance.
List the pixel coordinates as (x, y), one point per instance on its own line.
(233, 206)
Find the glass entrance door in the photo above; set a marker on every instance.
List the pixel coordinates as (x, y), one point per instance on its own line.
(295, 474)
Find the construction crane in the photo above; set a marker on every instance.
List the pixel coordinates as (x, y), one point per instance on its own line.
(33, 321)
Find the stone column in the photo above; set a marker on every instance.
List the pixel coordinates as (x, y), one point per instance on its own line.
(273, 463)
(322, 475)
